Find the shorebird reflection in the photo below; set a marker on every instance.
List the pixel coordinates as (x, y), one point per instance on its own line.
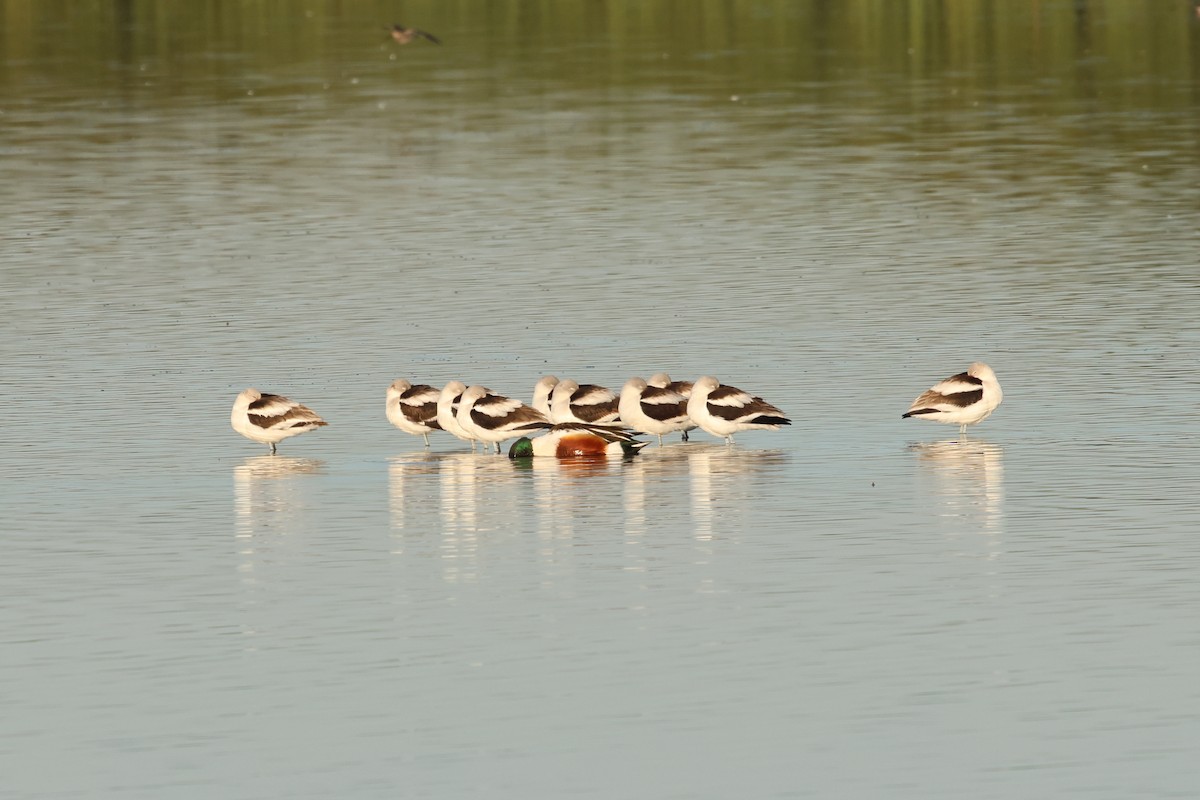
(270, 501)
(409, 482)
(966, 479)
(719, 474)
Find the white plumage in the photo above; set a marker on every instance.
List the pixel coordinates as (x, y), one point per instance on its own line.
(726, 410)
(964, 399)
(413, 409)
(271, 418)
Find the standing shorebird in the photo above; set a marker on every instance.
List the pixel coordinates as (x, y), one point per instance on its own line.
(413, 409)
(492, 418)
(591, 404)
(403, 34)
(963, 399)
(448, 402)
(271, 418)
(653, 409)
(726, 410)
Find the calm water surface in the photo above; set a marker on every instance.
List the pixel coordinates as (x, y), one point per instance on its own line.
(826, 207)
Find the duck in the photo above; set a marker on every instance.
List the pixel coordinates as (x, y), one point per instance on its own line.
(573, 440)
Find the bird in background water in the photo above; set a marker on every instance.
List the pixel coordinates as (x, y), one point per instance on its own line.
(402, 34)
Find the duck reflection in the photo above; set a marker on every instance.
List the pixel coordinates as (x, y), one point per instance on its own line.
(967, 479)
(565, 489)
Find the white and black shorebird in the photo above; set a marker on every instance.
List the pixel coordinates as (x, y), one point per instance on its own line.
(589, 404)
(493, 418)
(662, 380)
(448, 402)
(413, 409)
(271, 418)
(541, 393)
(653, 409)
(963, 399)
(726, 410)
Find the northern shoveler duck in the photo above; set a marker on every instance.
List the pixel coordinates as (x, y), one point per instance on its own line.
(573, 440)
(726, 410)
(963, 399)
(271, 418)
(413, 409)
(493, 418)
(653, 410)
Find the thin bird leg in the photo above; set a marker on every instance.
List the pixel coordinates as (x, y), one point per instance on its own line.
(660, 444)
(272, 448)
(685, 438)
(426, 435)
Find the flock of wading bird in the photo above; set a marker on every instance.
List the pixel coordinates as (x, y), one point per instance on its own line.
(567, 420)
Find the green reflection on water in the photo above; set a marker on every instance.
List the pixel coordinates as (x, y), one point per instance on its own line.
(1126, 53)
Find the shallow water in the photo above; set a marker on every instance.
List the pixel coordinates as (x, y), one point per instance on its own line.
(785, 197)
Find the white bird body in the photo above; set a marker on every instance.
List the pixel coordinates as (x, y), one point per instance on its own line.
(964, 399)
(726, 410)
(653, 409)
(271, 418)
(541, 394)
(449, 400)
(492, 418)
(589, 404)
(413, 409)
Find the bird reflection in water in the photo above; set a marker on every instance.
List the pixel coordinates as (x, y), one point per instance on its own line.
(265, 492)
(408, 476)
(966, 479)
(270, 501)
(721, 480)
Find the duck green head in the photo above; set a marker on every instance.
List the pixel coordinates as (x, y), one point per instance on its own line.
(521, 448)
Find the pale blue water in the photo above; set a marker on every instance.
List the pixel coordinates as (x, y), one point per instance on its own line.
(855, 606)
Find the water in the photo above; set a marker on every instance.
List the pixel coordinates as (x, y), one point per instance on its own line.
(780, 195)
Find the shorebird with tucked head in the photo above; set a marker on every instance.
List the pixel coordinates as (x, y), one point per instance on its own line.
(449, 399)
(964, 399)
(541, 394)
(575, 440)
(271, 418)
(402, 34)
(591, 404)
(653, 409)
(413, 409)
(493, 418)
(726, 410)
